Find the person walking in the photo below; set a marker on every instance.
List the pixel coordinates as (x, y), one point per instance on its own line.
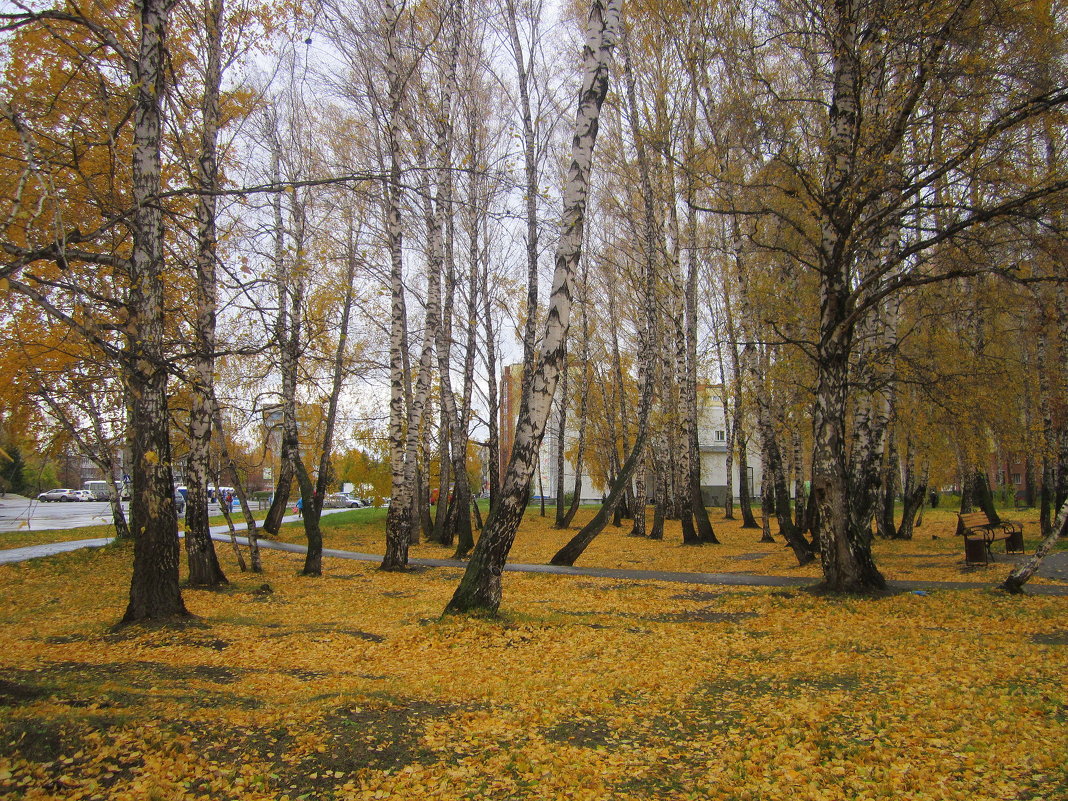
(300, 507)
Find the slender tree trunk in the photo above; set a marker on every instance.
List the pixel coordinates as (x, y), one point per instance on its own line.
(736, 424)
(766, 499)
(584, 390)
(442, 535)
(240, 557)
(399, 517)
(983, 494)
(458, 518)
(493, 443)
(885, 526)
(154, 590)
(313, 560)
(626, 506)
(204, 568)
(660, 481)
(1049, 438)
(799, 481)
(531, 187)
(234, 475)
(561, 430)
(541, 490)
(280, 501)
(1061, 494)
(745, 503)
(914, 493)
(775, 475)
(480, 588)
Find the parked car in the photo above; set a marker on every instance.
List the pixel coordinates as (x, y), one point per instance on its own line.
(57, 495)
(355, 503)
(84, 496)
(336, 500)
(179, 502)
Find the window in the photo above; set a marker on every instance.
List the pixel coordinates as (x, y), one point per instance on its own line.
(1016, 478)
(720, 435)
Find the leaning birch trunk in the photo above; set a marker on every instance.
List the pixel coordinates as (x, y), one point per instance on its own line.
(204, 568)
(100, 455)
(1062, 339)
(480, 588)
(914, 493)
(1049, 440)
(399, 517)
(705, 531)
(225, 509)
(154, 590)
(1016, 580)
(584, 390)
(313, 559)
(769, 436)
(636, 464)
(766, 499)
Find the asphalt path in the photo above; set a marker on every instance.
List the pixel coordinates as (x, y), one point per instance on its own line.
(1054, 566)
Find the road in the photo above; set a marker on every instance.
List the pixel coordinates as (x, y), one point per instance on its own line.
(23, 514)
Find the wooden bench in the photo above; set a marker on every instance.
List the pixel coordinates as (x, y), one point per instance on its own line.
(980, 533)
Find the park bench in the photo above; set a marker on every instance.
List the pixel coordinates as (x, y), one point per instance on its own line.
(980, 533)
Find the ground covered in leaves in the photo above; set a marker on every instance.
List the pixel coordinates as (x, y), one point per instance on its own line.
(933, 554)
(352, 686)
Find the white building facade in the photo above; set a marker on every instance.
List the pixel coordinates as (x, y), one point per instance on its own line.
(711, 436)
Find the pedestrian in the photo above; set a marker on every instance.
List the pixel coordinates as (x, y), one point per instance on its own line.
(300, 507)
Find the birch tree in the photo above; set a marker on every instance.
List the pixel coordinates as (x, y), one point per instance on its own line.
(204, 568)
(154, 590)
(480, 588)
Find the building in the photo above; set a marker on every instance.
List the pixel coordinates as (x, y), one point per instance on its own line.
(711, 436)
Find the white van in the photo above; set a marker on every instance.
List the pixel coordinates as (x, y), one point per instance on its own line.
(101, 490)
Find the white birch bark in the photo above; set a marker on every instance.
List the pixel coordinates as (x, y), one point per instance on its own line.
(845, 553)
(154, 591)
(652, 245)
(204, 568)
(531, 177)
(1015, 581)
(480, 588)
(399, 519)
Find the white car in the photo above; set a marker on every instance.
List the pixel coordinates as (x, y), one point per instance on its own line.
(57, 495)
(84, 496)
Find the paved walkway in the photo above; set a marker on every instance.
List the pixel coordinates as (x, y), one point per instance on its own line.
(1053, 566)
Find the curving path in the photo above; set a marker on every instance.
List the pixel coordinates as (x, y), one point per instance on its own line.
(1054, 566)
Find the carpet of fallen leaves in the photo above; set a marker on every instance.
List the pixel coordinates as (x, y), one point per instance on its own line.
(352, 686)
(934, 554)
